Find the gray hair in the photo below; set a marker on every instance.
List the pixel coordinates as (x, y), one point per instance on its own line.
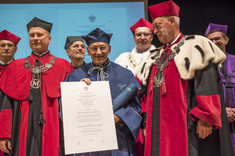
(177, 19)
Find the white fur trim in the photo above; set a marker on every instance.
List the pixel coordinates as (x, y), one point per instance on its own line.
(147, 63)
(197, 62)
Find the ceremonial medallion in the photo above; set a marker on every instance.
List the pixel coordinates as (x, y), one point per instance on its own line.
(35, 83)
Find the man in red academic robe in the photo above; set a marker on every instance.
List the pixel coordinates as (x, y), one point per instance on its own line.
(29, 93)
(8, 47)
(183, 104)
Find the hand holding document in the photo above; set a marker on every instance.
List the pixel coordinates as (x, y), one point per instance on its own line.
(88, 117)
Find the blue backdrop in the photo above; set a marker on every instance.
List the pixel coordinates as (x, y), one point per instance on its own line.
(73, 19)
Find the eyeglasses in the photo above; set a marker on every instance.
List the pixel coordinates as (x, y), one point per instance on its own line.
(216, 39)
(145, 34)
(102, 48)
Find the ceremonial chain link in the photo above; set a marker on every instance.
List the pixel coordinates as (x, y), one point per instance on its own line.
(229, 84)
(232, 74)
(38, 69)
(159, 78)
(166, 63)
(132, 61)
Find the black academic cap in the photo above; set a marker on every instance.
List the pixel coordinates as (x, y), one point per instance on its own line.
(70, 40)
(36, 22)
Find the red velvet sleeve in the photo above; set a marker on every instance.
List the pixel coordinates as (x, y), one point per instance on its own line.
(206, 86)
(208, 109)
(6, 123)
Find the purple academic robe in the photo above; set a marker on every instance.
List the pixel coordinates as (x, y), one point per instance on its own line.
(229, 87)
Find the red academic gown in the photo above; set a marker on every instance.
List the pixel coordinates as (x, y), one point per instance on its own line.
(139, 144)
(2, 67)
(168, 107)
(14, 118)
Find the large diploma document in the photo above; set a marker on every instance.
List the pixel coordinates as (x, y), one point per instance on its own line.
(88, 117)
